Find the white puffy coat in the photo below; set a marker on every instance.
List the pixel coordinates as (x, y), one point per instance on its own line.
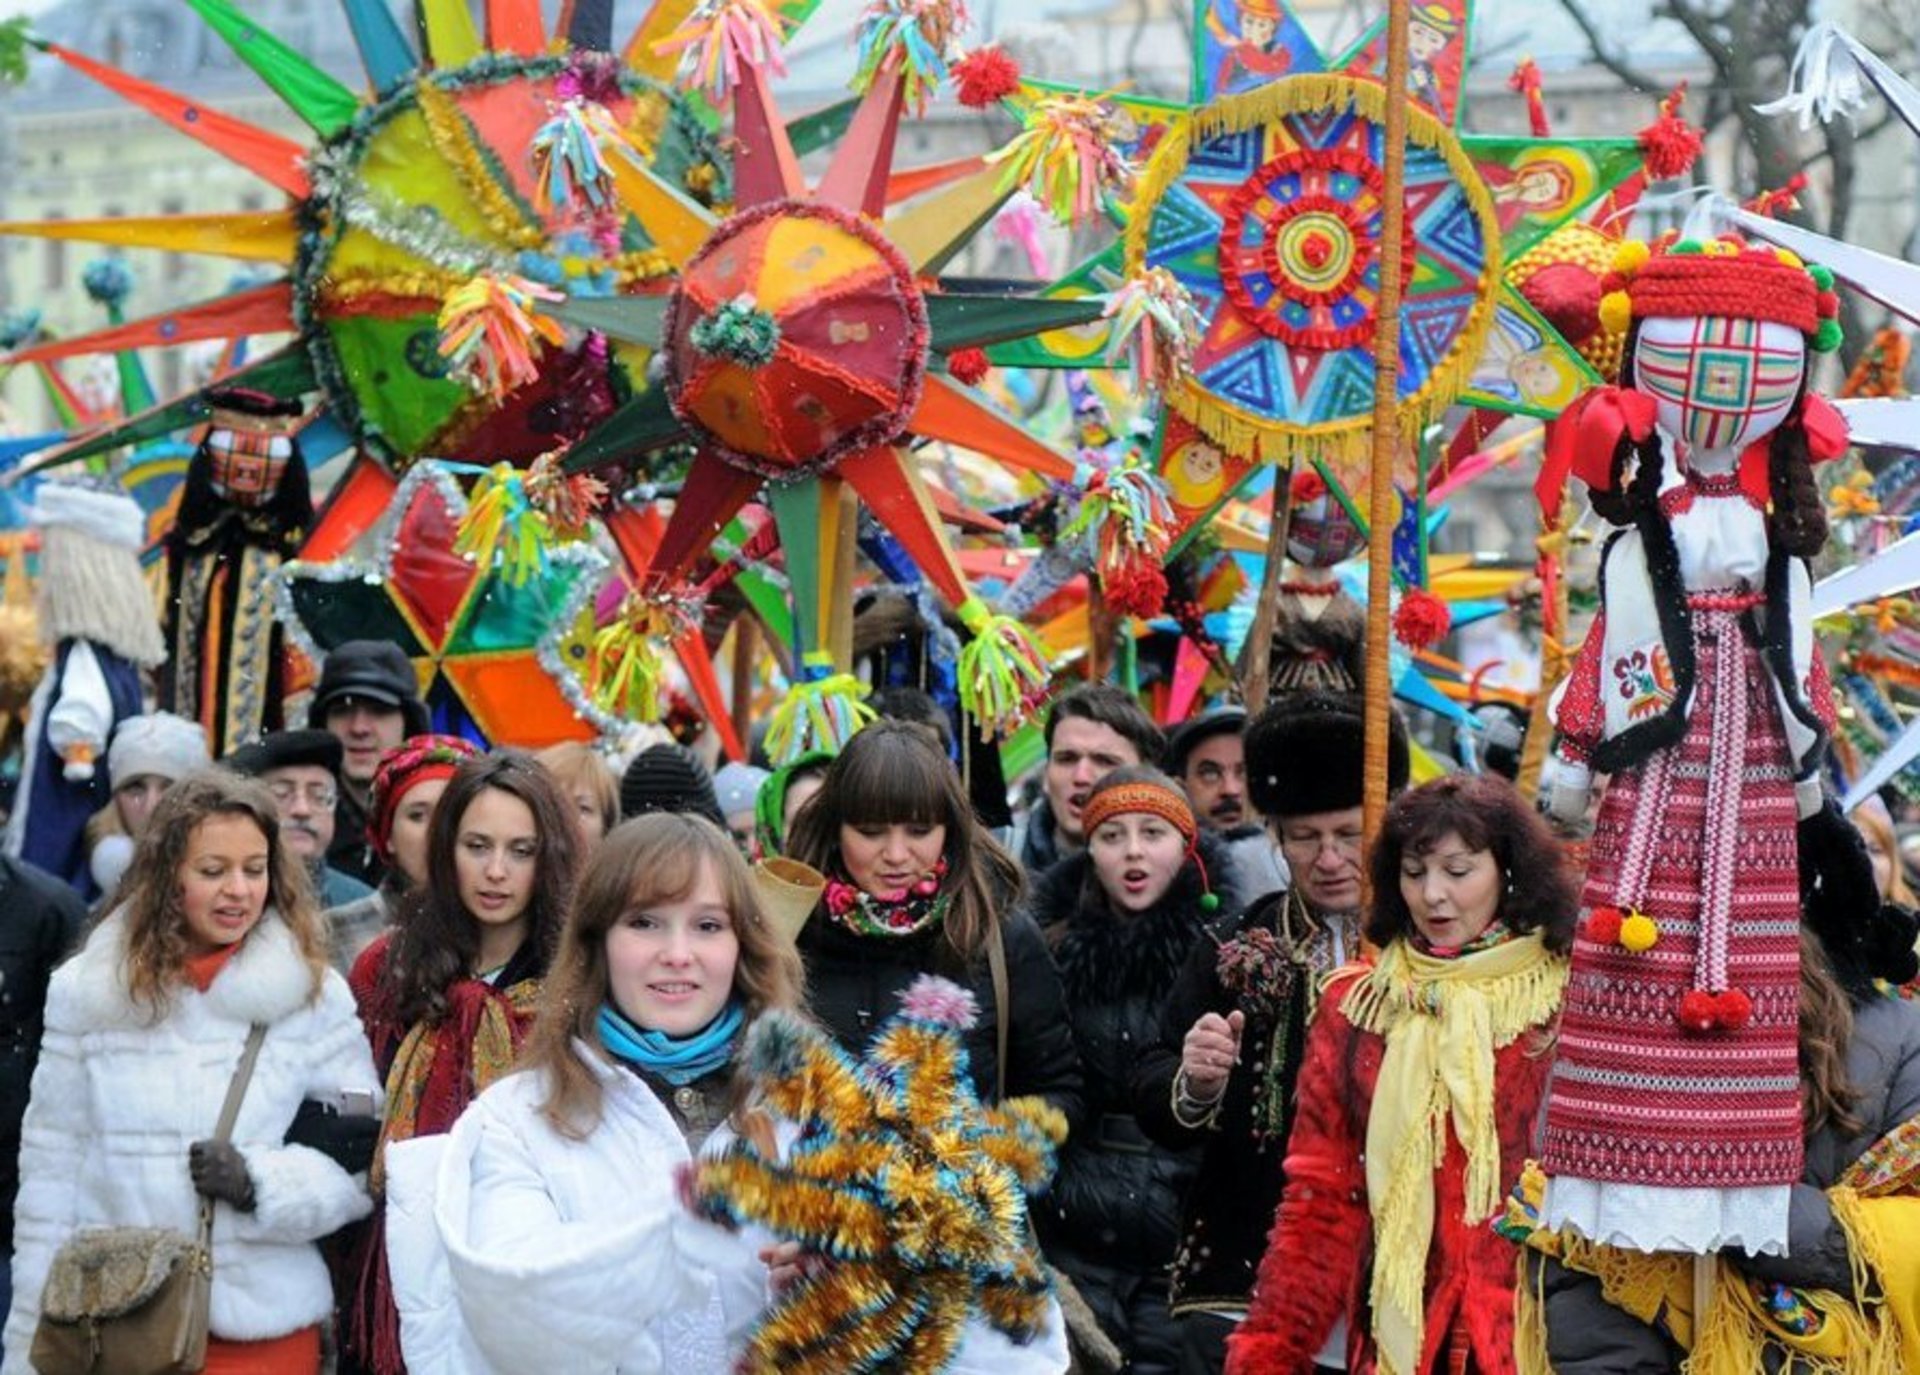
(117, 1099)
(514, 1248)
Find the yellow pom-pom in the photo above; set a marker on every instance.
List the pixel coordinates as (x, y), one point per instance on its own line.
(1616, 312)
(1639, 933)
(1790, 258)
(1630, 257)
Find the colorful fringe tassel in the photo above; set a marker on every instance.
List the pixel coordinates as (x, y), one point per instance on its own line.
(570, 157)
(721, 39)
(502, 527)
(923, 32)
(567, 500)
(1128, 512)
(822, 711)
(626, 671)
(488, 330)
(1155, 319)
(1003, 668)
(1067, 157)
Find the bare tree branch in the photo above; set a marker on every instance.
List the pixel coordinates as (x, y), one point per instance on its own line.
(1589, 30)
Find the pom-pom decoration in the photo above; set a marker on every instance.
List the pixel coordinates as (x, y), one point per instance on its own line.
(1639, 933)
(626, 671)
(738, 331)
(502, 527)
(1421, 620)
(985, 76)
(1067, 157)
(1603, 925)
(570, 157)
(1306, 486)
(1670, 144)
(1733, 1009)
(969, 366)
(1155, 320)
(921, 32)
(721, 39)
(913, 1189)
(1696, 1012)
(1003, 668)
(489, 332)
(821, 712)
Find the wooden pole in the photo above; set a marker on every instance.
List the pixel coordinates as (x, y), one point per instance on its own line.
(1256, 658)
(746, 649)
(1381, 498)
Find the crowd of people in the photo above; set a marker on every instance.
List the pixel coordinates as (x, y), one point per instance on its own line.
(482, 1010)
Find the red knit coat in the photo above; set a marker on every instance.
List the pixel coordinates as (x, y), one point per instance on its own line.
(1318, 1261)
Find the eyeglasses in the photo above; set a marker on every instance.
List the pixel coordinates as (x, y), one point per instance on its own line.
(321, 795)
(1343, 844)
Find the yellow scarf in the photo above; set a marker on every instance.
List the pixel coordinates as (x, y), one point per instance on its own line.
(1877, 1203)
(1443, 1020)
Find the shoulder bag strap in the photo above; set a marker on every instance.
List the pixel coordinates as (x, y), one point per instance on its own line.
(229, 1114)
(997, 968)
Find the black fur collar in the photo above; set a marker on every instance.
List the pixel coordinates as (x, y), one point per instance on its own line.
(1103, 955)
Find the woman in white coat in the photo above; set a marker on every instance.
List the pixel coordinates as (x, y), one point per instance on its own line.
(217, 931)
(546, 1232)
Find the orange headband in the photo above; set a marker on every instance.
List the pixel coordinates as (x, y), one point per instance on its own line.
(1152, 798)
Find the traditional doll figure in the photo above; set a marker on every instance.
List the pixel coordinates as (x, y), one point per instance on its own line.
(245, 509)
(1675, 1119)
(1320, 631)
(97, 619)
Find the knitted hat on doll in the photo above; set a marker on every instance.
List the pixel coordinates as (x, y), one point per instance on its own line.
(1724, 278)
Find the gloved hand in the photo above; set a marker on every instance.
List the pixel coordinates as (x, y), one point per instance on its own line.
(220, 1172)
(346, 1139)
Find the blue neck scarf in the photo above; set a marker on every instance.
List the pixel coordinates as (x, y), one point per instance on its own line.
(676, 1059)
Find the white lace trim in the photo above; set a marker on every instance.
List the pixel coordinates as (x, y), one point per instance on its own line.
(694, 1342)
(1644, 1217)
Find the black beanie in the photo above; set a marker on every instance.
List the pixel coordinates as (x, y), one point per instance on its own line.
(1306, 753)
(669, 778)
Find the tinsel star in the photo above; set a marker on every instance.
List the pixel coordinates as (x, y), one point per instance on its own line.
(913, 1190)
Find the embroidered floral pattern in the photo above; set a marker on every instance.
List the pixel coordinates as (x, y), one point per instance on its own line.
(904, 913)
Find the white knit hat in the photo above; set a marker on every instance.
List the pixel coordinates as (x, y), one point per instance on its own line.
(107, 515)
(737, 785)
(165, 745)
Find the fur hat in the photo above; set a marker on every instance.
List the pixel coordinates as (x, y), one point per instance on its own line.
(1865, 939)
(162, 745)
(104, 513)
(287, 748)
(1306, 754)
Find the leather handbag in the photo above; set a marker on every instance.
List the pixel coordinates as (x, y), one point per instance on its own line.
(134, 1300)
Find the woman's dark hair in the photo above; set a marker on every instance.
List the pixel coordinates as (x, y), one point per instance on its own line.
(437, 939)
(1539, 892)
(1797, 521)
(1828, 1096)
(893, 772)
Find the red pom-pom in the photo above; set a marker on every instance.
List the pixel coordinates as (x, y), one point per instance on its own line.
(1733, 1010)
(984, 76)
(968, 366)
(1827, 305)
(1421, 619)
(1137, 587)
(1307, 486)
(1603, 925)
(1699, 1010)
(1670, 144)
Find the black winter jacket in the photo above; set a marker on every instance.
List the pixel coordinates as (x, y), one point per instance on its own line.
(1588, 1336)
(854, 984)
(1230, 1209)
(1116, 1197)
(40, 922)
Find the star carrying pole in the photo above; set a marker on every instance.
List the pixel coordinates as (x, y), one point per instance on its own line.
(1382, 500)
